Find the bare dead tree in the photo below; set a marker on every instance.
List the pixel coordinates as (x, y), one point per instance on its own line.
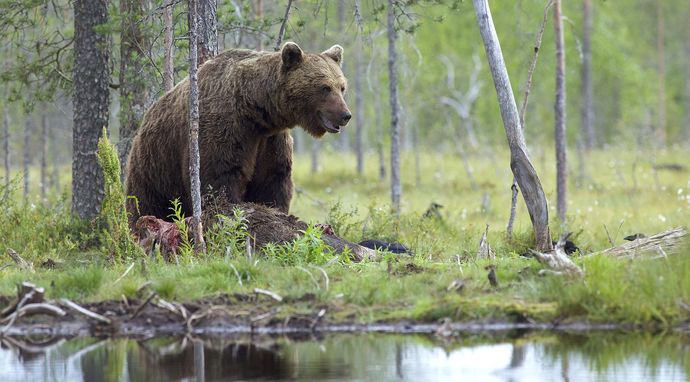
(396, 188)
(359, 106)
(463, 102)
(314, 154)
(686, 114)
(561, 159)
(133, 89)
(168, 46)
(44, 156)
(28, 130)
(520, 164)
(6, 143)
(587, 87)
(91, 104)
(380, 131)
(281, 32)
(523, 111)
(661, 72)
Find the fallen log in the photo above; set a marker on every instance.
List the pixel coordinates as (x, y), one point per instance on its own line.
(656, 246)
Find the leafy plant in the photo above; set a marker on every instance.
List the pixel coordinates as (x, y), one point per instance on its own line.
(186, 249)
(227, 236)
(116, 235)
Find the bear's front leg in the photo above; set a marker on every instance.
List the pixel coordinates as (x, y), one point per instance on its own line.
(271, 184)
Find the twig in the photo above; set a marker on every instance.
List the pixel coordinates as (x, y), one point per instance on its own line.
(143, 305)
(317, 319)
(310, 276)
(325, 275)
(124, 274)
(281, 33)
(84, 311)
(268, 293)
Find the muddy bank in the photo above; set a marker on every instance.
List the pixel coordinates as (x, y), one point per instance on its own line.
(243, 314)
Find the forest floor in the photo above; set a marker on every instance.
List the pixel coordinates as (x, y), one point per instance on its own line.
(621, 193)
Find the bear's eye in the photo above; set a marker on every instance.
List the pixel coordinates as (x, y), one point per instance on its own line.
(326, 89)
(342, 89)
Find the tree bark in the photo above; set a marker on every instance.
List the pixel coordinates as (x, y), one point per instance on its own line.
(207, 29)
(315, 146)
(560, 137)
(686, 114)
(194, 158)
(28, 129)
(133, 89)
(6, 144)
(661, 134)
(343, 136)
(359, 107)
(587, 88)
(44, 157)
(396, 189)
(168, 42)
(91, 102)
(520, 164)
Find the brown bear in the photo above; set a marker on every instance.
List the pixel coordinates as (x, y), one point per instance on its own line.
(248, 102)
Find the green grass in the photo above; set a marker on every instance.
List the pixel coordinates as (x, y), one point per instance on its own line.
(621, 194)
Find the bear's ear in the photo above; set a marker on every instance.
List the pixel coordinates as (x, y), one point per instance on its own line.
(336, 53)
(291, 54)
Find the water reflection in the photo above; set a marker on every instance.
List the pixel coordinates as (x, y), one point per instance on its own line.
(518, 357)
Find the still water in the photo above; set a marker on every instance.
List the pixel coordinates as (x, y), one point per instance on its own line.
(349, 357)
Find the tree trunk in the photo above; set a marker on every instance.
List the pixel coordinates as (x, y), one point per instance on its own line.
(587, 87)
(315, 146)
(28, 129)
(661, 68)
(168, 42)
(6, 143)
(561, 160)
(44, 157)
(259, 17)
(91, 99)
(396, 189)
(417, 157)
(133, 89)
(343, 136)
(359, 107)
(520, 164)
(194, 51)
(207, 29)
(686, 113)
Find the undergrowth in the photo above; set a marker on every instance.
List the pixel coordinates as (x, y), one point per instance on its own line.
(441, 279)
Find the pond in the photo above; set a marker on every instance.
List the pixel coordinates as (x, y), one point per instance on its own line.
(521, 356)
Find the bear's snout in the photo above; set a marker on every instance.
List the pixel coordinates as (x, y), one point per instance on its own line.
(345, 118)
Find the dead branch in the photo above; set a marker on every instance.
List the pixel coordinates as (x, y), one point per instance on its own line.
(558, 261)
(21, 263)
(268, 293)
(485, 250)
(655, 246)
(69, 304)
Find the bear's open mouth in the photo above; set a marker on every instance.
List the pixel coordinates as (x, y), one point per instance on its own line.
(328, 125)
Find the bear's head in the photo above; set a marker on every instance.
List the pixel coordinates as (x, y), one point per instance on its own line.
(314, 89)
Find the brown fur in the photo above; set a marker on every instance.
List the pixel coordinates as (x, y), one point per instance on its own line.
(248, 101)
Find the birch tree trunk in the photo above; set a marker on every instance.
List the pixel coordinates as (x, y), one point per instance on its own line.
(343, 136)
(168, 32)
(661, 71)
(6, 143)
(91, 103)
(44, 156)
(359, 107)
(520, 164)
(587, 88)
(28, 129)
(396, 189)
(133, 89)
(560, 138)
(314, 154)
